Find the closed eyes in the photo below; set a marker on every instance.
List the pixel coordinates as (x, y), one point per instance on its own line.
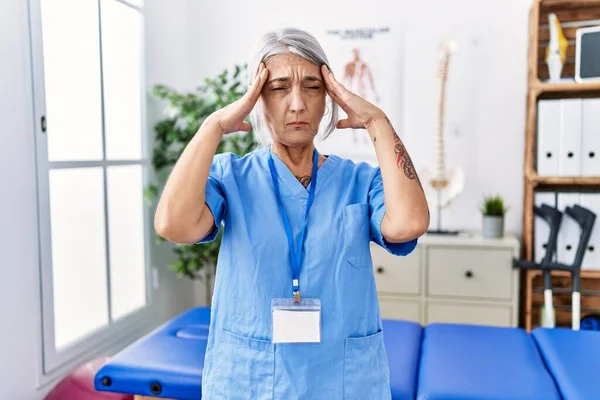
(308, 87)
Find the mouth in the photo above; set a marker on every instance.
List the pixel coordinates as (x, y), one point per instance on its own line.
(298, 123)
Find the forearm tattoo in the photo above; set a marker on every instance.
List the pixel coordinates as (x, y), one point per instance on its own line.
(403, 160)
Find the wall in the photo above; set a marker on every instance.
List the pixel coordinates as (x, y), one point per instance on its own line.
(168, 41)
(20, 348)
(485, 117)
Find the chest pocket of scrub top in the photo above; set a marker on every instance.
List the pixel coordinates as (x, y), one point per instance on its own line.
(243, 368)
(356, 235)
(366, 369)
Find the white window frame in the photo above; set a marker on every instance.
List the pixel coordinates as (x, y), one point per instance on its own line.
(117, 333)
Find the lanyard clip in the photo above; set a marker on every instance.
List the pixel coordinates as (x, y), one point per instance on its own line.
(296, 291)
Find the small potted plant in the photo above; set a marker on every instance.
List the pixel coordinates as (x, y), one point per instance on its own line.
(493, 211)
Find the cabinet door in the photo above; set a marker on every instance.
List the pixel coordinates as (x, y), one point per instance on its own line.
(469, 314)
(484, 273)
(396, 275)
(400, 309)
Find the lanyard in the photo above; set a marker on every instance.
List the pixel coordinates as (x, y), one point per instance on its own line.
(295, 254)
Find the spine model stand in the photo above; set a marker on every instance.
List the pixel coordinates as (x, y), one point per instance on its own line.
(443, 184)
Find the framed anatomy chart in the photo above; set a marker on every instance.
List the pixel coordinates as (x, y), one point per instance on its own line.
(368, 60)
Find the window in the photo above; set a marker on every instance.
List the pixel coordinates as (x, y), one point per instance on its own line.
(92, 166)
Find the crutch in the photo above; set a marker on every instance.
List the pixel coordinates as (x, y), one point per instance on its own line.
(585, 219)
(553, 217)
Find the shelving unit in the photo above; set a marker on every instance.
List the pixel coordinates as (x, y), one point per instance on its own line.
(572, 14)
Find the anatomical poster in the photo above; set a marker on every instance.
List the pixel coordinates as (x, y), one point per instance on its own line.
(369, 62)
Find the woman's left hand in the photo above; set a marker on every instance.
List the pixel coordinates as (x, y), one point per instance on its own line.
(361, 113)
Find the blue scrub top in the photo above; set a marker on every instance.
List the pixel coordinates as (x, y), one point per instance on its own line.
(254, 267)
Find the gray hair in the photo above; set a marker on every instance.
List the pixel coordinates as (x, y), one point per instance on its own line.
(285, 41)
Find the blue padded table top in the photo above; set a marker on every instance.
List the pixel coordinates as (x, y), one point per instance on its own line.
(169, 360)
(483, 363)
(573, 358)
(402, 341)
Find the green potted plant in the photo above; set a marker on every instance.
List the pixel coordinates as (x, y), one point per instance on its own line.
(493, 211)
(184, 114)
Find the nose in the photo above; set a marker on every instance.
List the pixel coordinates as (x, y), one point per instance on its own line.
(296, 101)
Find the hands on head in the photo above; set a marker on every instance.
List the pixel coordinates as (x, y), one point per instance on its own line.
(360, 112)
(231, 117)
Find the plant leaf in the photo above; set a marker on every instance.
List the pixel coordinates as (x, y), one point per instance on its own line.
(186, 113)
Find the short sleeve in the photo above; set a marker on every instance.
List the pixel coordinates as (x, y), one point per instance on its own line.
(377, 211)
(215, 198)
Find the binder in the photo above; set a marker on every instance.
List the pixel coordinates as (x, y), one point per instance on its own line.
(570, 137)
(541, 229)
(548, 137)
(591, 260)
(568, 236)
(590, 141)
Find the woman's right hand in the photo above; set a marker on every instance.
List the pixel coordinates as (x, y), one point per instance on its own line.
(231, 117)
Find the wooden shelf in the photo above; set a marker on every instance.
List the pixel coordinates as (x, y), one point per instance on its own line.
(553, 4)
(566, 89)
(548, 4)
(575, 182)
(561, 290)
(585, 273)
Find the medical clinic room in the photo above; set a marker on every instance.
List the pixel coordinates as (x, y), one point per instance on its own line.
(316, 200)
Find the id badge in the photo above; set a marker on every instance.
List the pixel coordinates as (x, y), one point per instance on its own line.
(296, 322)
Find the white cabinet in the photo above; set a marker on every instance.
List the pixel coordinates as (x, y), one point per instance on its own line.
(393, 308)
(469, 272)
(469, 313)
(397, 275)
(463, 279)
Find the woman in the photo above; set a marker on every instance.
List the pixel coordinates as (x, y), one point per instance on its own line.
(297, 227)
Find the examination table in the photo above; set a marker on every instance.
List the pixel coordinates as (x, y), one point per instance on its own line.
(435, 362)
